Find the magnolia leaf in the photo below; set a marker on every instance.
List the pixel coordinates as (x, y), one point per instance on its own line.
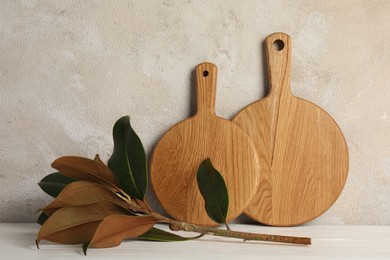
(85, 169)
(42, 218)
(76, 225)
(142, 204)
(74, 235)
(82, 193)
(155, 234)
(214, 191)
(128, 161)
(115, 228)
(53, 183)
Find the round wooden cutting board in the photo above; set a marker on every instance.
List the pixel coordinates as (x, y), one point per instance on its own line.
(178, 154)
(302, 151)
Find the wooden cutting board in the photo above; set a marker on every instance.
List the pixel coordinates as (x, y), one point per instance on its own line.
(302, 151)
(180, 151)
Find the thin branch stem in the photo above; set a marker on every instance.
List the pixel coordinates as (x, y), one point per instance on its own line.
(227, 226)
(178, 225)
(244, 235)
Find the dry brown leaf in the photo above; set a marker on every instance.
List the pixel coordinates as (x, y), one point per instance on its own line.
(115, 228)
(75, 235)
(64, 223)
(85, 169)
(142, 204)
(81, 193)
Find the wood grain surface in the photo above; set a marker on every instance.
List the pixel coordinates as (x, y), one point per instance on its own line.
(178, 154)
(302, 151)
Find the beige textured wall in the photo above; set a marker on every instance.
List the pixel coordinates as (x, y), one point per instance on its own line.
(69, 69)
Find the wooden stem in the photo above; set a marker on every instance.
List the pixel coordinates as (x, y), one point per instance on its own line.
(178, 225)
(240, 235)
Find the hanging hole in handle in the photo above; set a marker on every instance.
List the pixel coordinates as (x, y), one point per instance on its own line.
(205, 73)
(278, 45)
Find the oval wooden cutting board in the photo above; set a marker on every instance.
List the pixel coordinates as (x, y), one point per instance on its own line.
(302, 151)
(178, 154)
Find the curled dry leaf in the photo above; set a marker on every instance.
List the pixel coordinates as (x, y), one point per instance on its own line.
(82, 193)
(85, 169)
(75, 225)
(115, 228)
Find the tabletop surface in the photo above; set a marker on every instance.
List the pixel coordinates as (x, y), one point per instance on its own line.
(17, 240)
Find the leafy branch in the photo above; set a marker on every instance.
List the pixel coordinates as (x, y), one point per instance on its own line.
(99, 206)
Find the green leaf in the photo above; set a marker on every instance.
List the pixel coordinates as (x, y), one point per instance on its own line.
(214, 191)
(128, 161)
(53, 183)
(42, 218)
(155, 234)
(85, 248)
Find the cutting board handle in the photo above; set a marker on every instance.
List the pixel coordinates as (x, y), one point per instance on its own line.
(206, 81)
(278, 52)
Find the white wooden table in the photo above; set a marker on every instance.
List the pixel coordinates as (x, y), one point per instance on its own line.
(17, 241)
